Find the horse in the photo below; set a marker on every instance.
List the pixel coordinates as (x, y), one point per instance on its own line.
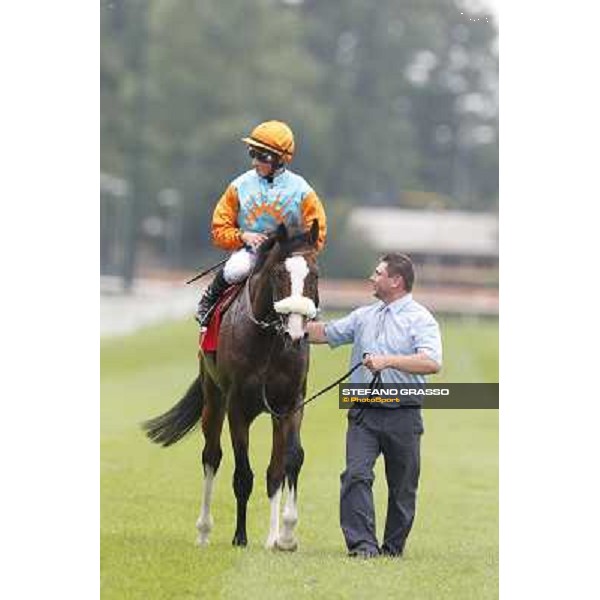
(261, 365)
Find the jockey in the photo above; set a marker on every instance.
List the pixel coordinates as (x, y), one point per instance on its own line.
(254, 204)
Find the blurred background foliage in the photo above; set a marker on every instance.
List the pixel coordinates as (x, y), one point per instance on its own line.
(393, 104)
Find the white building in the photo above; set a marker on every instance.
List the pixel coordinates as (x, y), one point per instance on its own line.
(451, 234)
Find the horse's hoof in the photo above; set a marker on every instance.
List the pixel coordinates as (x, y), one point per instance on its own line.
(271, 543)
(290, 545)
(204, 527)
(239, 540)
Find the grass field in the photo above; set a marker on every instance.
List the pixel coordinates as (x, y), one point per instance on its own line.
(151, 496)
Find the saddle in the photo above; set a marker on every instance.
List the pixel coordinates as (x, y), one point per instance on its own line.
(209, 342)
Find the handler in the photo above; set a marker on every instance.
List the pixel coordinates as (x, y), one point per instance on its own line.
(402, 341)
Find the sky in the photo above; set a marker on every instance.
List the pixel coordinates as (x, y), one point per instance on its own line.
(493, 6)
(479, 5)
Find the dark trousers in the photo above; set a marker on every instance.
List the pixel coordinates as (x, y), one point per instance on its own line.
(395, 433)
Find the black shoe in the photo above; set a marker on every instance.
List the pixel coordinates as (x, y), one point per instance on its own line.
(391, 553)
(210, 298)
(363, 553)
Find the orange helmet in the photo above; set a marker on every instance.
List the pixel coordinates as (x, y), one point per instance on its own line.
(274, 136)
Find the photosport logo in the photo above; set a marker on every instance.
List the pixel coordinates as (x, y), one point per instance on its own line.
(430, 395)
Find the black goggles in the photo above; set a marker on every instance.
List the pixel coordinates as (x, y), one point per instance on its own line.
(263, 156)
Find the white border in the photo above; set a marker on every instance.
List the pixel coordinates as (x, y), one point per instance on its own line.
(50, 307)
(548, 186)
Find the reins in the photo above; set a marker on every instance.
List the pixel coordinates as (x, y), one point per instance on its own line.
(276, 325)
(265, 325)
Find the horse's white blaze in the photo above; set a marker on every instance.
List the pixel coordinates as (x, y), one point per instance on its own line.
(295, 326)
(274, 523)
(290, 520)
(204, 524)
(298, 270)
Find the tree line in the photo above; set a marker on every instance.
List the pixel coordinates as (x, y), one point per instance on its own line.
(393, 102)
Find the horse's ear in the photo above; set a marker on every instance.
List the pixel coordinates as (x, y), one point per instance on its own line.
(268, 244)
(313, 234)
(281, 232)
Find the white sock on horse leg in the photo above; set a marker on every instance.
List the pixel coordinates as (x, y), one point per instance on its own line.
(274, 521)
(290, 513)
(204, 524)
(290, 516)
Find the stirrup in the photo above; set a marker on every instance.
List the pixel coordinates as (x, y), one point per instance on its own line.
(207, 312)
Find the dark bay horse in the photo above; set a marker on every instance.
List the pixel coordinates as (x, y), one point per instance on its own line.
(261, 365)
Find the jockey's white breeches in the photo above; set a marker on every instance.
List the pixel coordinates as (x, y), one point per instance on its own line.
(239, 265)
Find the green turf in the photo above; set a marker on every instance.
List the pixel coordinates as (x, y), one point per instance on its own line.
(151, 496)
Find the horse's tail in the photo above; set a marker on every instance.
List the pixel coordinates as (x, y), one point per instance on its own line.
(177, 422)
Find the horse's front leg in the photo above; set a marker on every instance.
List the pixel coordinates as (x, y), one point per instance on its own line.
(275, 475)
(275, 479)
(243, 477)
(294, 459)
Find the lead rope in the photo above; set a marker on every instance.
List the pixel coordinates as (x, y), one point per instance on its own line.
(279, 415)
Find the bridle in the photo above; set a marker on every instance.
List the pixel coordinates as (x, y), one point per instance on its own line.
(278, 328)
(277, 325)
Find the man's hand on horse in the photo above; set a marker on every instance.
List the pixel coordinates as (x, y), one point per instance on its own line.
(375, 362)
(254, 240)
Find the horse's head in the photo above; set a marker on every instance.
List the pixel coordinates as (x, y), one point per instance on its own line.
(293, 274)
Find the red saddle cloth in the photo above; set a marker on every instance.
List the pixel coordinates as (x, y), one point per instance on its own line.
(211, 337)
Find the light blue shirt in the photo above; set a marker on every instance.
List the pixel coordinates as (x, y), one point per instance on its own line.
(263, 205)
(403, 327)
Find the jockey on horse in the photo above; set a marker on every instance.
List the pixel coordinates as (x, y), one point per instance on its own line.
(254, 204)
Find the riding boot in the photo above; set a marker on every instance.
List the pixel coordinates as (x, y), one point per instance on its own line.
(210, 298)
